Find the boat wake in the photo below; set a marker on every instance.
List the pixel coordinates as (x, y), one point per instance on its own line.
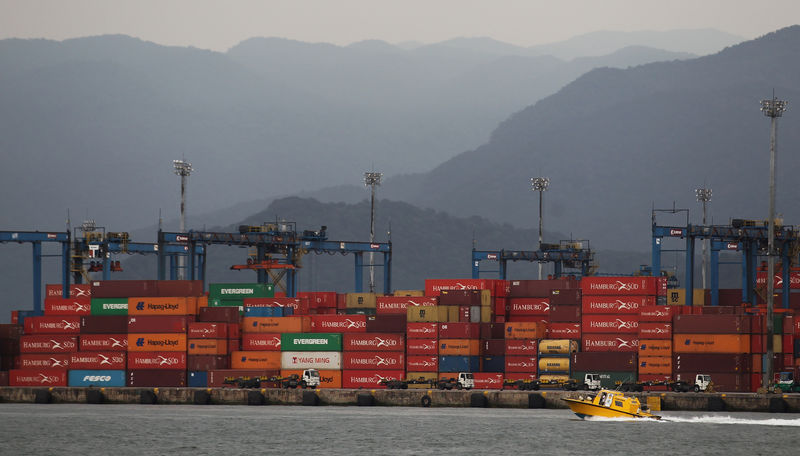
(706, 419)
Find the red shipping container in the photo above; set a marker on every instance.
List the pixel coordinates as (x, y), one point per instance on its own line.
(610, 342)
(76, 290)
(373, 342)
(606, 361)
(37, 377)
(339, 323)
(711, 324)
(319, 299)
(370, 379)
(526, 364)
(488, 380)
(566, 297)
(564, 330)
(43, 361)
(234, 345)
(48, 344)
(434, 287)
(657, 313)
(3, 378)
(539, 288)
(160, 324)
(166, 288)
(208, 331)
(97, 360)
(422, 330)
(124, 288)
(794, 276)
(261, 341)
(796, 327)
(422, 346)
(501, 288)
(224, 314)
(53, 325)
(204, 363)
(156, 378)
(611, 324)
(493, 330)
(234, 330)
(399, 304)
(616, 304)
(637, 285)
(54, 306)
(565, 314)
(543, 319)
(500, 305)
(373, 360)
(104, 342)
(104, 324)
(459, 330)
(157, 360)
(386, 323)
(460, 298)
(528, 306)
(788, 324)
(655, 330)
(494, 347)
(521, 347)
(299, 306)
(422, 363)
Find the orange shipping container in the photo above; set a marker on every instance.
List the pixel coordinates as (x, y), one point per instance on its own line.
(327, 378)
(655, 347)
(295, 324)
(208, 346)
(655, 365)
(156, 342)
(711, 343)
(202, 301)
(526, 330)
(460, 347)
(268, 360)
(162, 306)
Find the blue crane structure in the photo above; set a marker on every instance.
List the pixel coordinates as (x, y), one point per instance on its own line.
(746, 236)
(567, 254)
(36, 238)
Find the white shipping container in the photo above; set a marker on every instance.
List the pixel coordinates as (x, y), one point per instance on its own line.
(323, 360)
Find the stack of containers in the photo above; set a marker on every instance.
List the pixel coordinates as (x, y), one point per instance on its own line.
(9, 349)
(565, 314)
(321, 351)
(610, 320)
(262, 343)
(369, 358)
(758, 347)
(528, 300)
(456, 306)
(319, 302)
(102, 352)
(718, 345)
(222, 325)
(422, 344)
(655, 342)
(521, 361)
(340, 324)
(45, 349)
(459, 347)
(554, 358)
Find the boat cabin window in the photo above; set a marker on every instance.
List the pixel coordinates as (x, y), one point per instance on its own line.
(602, 398)
(609, 400)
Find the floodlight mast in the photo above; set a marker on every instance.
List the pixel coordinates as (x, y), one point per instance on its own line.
(540, 184)
(704, 196)
(372, 179)
(183, 169)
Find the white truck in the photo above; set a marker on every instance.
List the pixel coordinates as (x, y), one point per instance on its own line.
(465, 380)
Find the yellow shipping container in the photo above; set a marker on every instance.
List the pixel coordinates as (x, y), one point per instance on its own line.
(486, 298)
(294, 324)
(411, 293)
(554, 378)
(453, 314)
(360, 300)
(557, 346)
(554, 364)
(268, 360)
(486, 314)
(459, 347)
(677, 297)
(426, 314)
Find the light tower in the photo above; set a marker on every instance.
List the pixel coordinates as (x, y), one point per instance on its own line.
(372, 179)
(540, 184)
(773, 109)
(704, 196)
(183, 169)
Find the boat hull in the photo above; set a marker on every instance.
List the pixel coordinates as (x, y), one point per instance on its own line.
(584, 409)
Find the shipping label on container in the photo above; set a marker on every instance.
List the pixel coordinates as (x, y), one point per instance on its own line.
(339, 323)
(794, 276)
(76, 290)
(103, 342)
(161, 306)
(43, 360)
(48, 344)
(612, 324)
(374, 342)
(240, 290)
(488, 380)
(657, 313)
(528, 306)
(655, 365)
(422, 363)
(521, 347)
(311, 341)
(610, 342)
(109, 306)
(107, 378)
(516, 363)
(143, 342)
(261, 341)
(434, 287)
(615, 304)
(655, 330)
(655, 347)
(208, 330)
(422, 346)
(311, 360)
(370, 379)
(400, 304)
(422, 330)
(37, 377)
(564, 330)
(53, 325)
(69, 306)
(373, 360)
(157, 360)
(525, 330)
(256, 360)
(97, 360)
(619, 286)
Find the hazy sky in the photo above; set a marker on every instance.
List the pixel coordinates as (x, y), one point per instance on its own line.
(219, 25)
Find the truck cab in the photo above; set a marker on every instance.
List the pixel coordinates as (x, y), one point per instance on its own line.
(310, 378)
(701, 382)
(466, 380)
(592, 382)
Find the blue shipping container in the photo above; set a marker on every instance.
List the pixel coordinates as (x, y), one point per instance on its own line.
(97, 378)
(263, 311)
(459, 363)
(493, 364)
(198, 379)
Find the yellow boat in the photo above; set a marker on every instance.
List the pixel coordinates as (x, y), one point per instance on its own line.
(609, 404)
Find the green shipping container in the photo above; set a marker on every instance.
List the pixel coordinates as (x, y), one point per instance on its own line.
(109, 306)
(607, 379)
(311, 342)
(240, 291)
(359, 311)
(217, 302)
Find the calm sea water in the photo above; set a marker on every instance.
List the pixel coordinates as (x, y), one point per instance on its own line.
(77, 429)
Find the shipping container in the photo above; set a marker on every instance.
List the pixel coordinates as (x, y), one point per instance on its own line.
(76, 290)
(558, 346)
(261, 341)
(494, 363)
(564, 330)
(48, 344)
(488, 381)
(565, 314)
(53, 325)
(159, 324)
(373, 360)
(655, 330)
(96, 378)
(387, 323)
(659, 365)
(240, 290)
(207, 362)
(494, 347)
(528, 347)
(383, 342)
(68, 306)
(711, 343)
(97, 360)
(459, 347)
(611, 324)
(459, 331)
(712, 362)
(103, 324)
(311, 342)
(338, 323)
(430, 314)
(218, 314)
(554, 364)
(398, 305)
(266, 360)
(657, 313)
(157, 360)
(617, 305)
(192, 288)
(144, 342)
(310, 360)
(655, 347)
(104, 342)
(604, 361)
(43, 361)
(608, 379)
(539, 288)
(422, 363)
(677, 297)
(414, 293)
(711, 324)
(37, 377)
(156, 378)
(197, 379)
(160, 306)
(124, 288)
(319, 299)
(299, 306)
(294, 324)
(11, 331)
(528, 306)
(459, 363)
(201, 330)
(524, 364)
(566, 297)
(360, 300)
(460, 298)
(493, 330)
(621, 286)
(526, 330)
(207, 346)
(610, 342)
(422, 346)
(370, 379)
(434, 287)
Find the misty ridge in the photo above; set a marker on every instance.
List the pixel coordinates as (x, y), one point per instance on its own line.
(458, 128)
